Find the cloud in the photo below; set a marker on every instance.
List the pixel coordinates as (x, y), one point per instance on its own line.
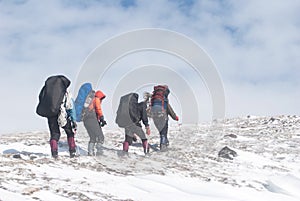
(261, 38)
(255, 46)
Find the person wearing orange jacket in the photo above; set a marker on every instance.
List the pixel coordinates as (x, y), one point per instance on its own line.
(93, 121)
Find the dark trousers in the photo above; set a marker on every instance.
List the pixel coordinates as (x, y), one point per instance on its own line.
(129, 134)
(161, 123)
(55, 131)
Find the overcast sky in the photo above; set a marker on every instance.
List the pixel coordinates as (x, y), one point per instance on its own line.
(254, 44)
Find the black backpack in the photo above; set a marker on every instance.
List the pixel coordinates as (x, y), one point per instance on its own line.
(128, 112)
(51, 95)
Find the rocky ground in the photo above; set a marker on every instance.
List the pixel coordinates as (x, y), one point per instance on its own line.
(261, 146)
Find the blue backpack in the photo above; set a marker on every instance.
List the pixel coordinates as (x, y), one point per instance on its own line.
(83, 93)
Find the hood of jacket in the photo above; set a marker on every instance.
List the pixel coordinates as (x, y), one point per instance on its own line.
(99, 94)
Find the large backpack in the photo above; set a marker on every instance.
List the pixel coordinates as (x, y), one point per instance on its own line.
(87, 107)
(160, 93)
(51, 95)
(81, 99)
(127, 113)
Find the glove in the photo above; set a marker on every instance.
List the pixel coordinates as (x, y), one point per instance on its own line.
(74, 125)
(147, 130)
(177, 118)
(102, 122)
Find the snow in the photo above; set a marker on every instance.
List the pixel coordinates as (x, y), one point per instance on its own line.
(266, 166)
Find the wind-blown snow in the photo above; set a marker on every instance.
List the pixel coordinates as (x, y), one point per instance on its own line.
(266, 166)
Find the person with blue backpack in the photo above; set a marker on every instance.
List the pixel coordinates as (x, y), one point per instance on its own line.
(55, 103)
(89, 111)
(93, 121)
(160, 110)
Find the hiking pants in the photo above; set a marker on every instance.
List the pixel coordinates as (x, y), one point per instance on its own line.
(134, 129)
(55, 131)
(129, 134)
(94, 129)
(161, 123)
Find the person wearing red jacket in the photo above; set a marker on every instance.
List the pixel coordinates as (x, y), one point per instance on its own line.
(93, 122)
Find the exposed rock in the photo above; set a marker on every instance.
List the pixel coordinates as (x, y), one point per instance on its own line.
(231, 135)
(227, 153)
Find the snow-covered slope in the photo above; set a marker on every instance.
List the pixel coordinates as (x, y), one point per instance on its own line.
(266, 167)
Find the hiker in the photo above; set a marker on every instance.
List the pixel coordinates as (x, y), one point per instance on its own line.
(55, 103)
(160, 109)
(93, 120)
(130, 113)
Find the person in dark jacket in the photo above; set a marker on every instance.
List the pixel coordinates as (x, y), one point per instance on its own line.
(136, 129)
(56, 104)
(65, 120)
(93, 121)
(160, 110)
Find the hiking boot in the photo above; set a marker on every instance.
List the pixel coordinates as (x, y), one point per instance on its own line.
(163, 147)
(99, 149)
(91, 146)
(71, 143)
(72, 153)
(167, 142)
(145, 146)
(54, 154)
(147, 150)
(53, 145)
